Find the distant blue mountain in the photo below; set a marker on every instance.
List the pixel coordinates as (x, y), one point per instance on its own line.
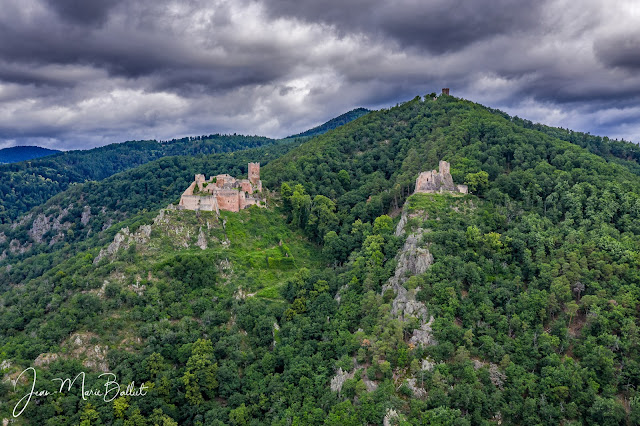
(16, 154)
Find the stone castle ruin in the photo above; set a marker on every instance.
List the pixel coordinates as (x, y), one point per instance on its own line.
(438, 181)
(223, 192)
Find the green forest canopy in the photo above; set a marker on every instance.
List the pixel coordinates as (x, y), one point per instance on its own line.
(534, 289)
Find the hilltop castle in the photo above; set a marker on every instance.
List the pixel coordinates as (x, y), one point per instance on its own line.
(223, 192)
(434, 181)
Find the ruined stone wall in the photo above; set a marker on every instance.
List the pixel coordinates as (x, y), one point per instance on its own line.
(190, 202)
(246, 186)
(436, 181)
(190, 189)
(226, 193)
(229, 200)
(209, 204)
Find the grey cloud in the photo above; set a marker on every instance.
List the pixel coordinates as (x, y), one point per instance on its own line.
(620, 50)
(78, 73)
(438, 26)
(83, 12)
(144, 48)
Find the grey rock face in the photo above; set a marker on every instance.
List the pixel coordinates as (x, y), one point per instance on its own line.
(86, 215)
(43, 224)
(124, 239)
(16, 247)
(412, 260)
(202, 240)
(417, 391)
(338, 380)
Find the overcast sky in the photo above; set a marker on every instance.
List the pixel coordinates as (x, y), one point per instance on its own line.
(79, 73)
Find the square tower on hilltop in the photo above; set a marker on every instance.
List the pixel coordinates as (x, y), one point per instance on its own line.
(254, 173)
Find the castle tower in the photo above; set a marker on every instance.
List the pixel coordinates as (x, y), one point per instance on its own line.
(254, 173)
(443, 167)
(445, 91)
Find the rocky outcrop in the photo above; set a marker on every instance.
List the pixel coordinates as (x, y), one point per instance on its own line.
(93, 356)
(338, 380)
(202, 240)
(86, 215)
(45, 359)
(16, 247)
(417, 391)
(107, 224)
(119, 240)
(26, 218)
(391, 418)
(45, 223)
(79, 346)
(97, 358)
(342, 376)
(496, 376)
(427, 365)
(39, 227)
(424, 334)
(412, 260)
(123, 239)
(56, 238)
(274, 332)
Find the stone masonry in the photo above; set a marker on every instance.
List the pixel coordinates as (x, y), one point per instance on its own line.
(438, 181)
(223, 192)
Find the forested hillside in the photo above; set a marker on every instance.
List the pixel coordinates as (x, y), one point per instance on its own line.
(21, 153)
(349, 301)
(622, 152)
(340, 120)
(82, 216)
(28, 184)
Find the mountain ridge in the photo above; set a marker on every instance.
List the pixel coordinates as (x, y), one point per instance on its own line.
(333, 123)
(16, 154)
(26, 185)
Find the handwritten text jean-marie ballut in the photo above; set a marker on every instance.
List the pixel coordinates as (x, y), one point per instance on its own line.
(109, 391)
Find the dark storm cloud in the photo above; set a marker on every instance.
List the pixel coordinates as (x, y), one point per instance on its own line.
(174, 61)
(83, 73)
(83, 12)
(620, 50)
(435, 25)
